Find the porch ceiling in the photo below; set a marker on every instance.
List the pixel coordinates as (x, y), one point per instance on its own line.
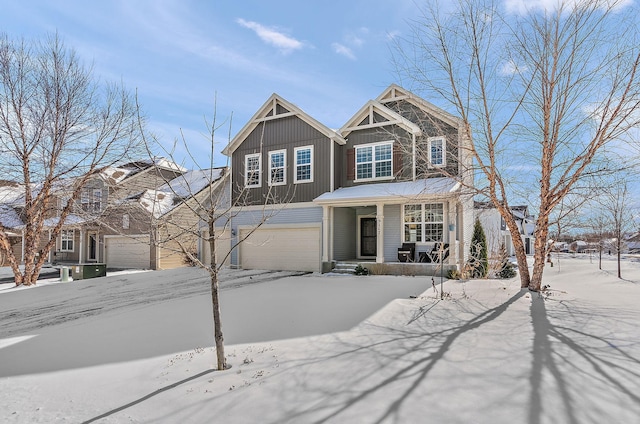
(396, 192)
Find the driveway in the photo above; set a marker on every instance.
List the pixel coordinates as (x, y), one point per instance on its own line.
(161, 312)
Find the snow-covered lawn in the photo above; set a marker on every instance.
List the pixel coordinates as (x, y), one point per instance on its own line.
(488, 353)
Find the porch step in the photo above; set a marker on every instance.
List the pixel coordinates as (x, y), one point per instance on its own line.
(345, 268)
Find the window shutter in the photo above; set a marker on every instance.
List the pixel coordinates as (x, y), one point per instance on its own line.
(397, 160)
(351, 164)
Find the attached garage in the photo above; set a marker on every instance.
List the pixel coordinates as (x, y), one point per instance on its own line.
(284, 248)
(223, 246)
(128, 252)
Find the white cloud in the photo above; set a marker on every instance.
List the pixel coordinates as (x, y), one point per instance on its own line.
(523, 7)
(512, 68)
(343, 50)
(352, 40)
(272, 36)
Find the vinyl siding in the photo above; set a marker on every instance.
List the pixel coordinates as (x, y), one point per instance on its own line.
(285, 216)
(344, 234)
(374, 135)
(282, 134)
(392, 232)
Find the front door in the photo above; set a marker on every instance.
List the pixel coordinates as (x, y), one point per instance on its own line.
(368, 239)
(92, 247)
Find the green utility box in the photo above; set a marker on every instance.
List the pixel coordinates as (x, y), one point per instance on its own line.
(83, 271)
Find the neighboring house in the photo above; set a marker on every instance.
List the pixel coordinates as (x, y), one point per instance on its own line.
(496, 230)
(123, 216)
(391, 175)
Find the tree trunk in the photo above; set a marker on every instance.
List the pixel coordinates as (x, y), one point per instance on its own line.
(215, 300)
(540, 251)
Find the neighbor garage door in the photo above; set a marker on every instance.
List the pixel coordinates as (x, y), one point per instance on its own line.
(281, 248)
(128, 252)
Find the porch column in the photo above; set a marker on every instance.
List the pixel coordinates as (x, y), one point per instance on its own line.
(49, 256)
(80, 247)
(326, 210)
(453, 248)
(380, 233)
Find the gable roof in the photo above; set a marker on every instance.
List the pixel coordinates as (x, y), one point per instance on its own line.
(395, 93)
(374, 115)
(274, 108)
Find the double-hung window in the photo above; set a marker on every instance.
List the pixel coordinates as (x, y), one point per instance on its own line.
(66, 240)
(277, 167)
(303, 164)
(97, 200)
(423, 223)
(374, 161)
(252, 174)
(437, 148)
(84, 199)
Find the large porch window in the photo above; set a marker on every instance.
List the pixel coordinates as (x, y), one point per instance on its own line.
(66, 240)
(423, 222)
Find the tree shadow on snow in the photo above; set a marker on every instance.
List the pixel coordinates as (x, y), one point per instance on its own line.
(418, 351)
(581, 368)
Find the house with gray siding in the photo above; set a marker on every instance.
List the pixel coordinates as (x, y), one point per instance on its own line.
(395, 176)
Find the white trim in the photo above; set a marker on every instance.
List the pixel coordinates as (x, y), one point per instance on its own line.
(279, 207)
(272, 153)
(445, 231)
(443, 139)
(373, 146)
(97, 253)
(73, 241)
(246, 173)
(359, 236)
(295, 164)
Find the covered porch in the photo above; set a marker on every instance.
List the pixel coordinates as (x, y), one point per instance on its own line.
(371, 224)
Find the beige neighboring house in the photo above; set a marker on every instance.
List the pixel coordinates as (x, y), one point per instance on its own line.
(134, 215)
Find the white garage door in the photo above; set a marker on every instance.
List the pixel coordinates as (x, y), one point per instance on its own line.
(283, 248)
(128, 252)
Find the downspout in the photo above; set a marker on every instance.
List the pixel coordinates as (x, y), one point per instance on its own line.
(332, 155)
(413, 157)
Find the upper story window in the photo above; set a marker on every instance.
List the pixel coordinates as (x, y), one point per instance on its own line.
(423, 222)
(97, 200)
(252, 170)
(91, 200)
(66, 240)
(277, 167)
(437, 151)
(304, 164)
(374, 161)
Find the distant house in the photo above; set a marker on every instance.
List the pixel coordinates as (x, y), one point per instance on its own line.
(125, 216)
(390, 176)
(496, 230)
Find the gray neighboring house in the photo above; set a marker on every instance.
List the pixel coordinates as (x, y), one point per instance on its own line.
(395, 173)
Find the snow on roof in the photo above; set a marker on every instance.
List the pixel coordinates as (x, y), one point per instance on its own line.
(400, 191)
(169, 195)
(9, 218)
(192, 182)
(114, 173)
(71, 219)
(165, 163)
(10, 194)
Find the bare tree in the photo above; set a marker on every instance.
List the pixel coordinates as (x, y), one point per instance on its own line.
(205, 216)
(618, 214)
(58, 126)
(542, 92)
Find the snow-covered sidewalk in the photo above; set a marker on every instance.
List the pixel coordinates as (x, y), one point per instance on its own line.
(489, 353)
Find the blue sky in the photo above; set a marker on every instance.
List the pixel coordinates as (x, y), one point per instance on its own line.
(327, 57)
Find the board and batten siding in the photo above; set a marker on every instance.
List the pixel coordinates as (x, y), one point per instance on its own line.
(283, 134)
(402, 146)
(292, 216)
